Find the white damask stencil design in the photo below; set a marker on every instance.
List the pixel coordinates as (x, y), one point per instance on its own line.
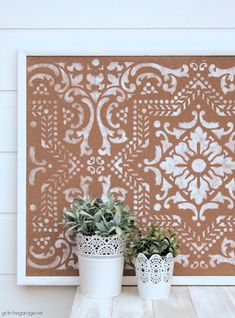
(157, 132)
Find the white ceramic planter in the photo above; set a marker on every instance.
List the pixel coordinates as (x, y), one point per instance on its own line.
(154, 275)
(101, 265)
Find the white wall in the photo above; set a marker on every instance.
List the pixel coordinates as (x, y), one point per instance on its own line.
(163, 26)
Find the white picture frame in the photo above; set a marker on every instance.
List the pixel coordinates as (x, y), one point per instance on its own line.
(22, 278)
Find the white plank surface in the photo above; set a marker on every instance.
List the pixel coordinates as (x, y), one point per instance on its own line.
(8, 99)
(8, 129)
(129, 305)
(117, 14)
(178, 305)
(8, 244)
(211, 302)
(201, 302)
(108, 41)
(52, 301)
(8, 182)
(230, 290)
(86, 307)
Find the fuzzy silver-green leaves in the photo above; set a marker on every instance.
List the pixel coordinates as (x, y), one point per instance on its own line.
(90, 217)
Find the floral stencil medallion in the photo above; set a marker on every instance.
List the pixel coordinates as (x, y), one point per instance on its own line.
(157, 132)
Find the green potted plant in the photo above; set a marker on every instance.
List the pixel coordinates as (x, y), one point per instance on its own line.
(102, 229)
(152, 252)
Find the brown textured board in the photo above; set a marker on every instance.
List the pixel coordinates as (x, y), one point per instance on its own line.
(158, 132)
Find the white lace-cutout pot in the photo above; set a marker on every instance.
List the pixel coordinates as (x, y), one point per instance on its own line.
(101, 265)
(154, 275)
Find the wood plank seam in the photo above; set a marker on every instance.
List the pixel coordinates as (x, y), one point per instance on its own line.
(192, 303)
(153, 309)
(228, 290)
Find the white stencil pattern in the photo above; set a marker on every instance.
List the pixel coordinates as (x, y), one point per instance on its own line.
(161, 138)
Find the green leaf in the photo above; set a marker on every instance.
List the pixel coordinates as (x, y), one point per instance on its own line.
(100, 226)
(119, 231)
(70, 223)
(86, 214)
(104, 220)
(73, 227)
(97, 216)
(68, 215)
(113, 228)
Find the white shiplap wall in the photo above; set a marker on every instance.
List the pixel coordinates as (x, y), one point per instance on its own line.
(206, 26)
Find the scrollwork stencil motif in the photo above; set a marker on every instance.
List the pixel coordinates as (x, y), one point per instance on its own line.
(157, 132)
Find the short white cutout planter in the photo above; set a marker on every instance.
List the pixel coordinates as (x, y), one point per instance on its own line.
(154, 275)
(101, 265)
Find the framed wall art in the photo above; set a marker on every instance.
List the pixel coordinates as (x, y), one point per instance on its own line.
(155, 130)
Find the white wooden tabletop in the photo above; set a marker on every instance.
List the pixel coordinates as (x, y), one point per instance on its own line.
(184, 302)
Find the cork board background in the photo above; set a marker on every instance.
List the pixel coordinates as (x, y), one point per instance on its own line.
(156, 131)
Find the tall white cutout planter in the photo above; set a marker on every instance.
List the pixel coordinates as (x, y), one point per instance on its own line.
(154, 275)
(101, 265)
